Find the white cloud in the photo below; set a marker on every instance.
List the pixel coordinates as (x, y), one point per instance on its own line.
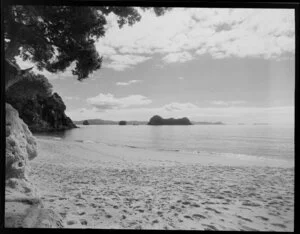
(128, 83)
(109, 101)
(177, 57)
(181, 78)
(120, 62)
(175, 106)
(222, 33)
(228, 103)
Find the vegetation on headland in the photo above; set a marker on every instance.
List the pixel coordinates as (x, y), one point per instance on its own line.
(40, 109)
(157, 120)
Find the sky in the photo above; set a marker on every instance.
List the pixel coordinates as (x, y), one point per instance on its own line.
(207, 64)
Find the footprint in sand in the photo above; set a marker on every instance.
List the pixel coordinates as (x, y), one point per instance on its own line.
(71, 222)
(263, 218)
(195, 205)
(243, 218)
(83, 221)
(199, 216)
(212, 209)
(279, 225)
(154, 221)
(210, 227)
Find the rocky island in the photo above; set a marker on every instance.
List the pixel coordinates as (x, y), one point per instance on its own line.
(157, 120)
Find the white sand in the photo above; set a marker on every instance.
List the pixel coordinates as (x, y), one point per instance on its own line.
(100, 186)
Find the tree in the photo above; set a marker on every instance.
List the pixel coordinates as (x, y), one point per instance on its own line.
(29, 87)
(52, 37)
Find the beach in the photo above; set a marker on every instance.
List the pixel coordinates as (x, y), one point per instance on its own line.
(111, 187)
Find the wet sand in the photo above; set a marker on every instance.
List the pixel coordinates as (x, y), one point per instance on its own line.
(100, 186)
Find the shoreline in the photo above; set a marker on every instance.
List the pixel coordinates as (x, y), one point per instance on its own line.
(100, 186)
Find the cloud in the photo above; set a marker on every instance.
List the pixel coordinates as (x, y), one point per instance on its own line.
(128, 83)
(221, 33)
(177, 57)
(120, 62)
(175, 106)
(228, 103)
(109, 101)
(181, 78)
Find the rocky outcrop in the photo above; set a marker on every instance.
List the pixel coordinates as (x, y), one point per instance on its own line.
(23, 207)
(85, 122)
(43, 114)
(157, 120)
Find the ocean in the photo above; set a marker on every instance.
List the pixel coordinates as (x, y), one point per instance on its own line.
(242, 141)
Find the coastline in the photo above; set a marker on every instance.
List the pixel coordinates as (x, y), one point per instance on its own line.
(101, 186)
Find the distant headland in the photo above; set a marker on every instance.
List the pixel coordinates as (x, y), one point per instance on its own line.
(155, 120)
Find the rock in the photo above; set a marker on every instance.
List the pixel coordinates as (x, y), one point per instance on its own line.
(23, 206)
(157, 120)
(122, 122)
(43, 114)
(25, 215)
(20, 148)
(85, 122)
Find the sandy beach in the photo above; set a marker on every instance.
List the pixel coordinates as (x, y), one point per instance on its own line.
(101, 186)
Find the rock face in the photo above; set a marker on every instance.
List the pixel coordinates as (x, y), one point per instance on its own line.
(22, 203)
(157, 120)
(44, 114)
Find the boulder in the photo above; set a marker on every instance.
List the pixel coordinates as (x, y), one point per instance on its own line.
(23, 206)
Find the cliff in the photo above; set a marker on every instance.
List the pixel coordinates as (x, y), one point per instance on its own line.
(157, 120)
(23, 207)
(43, 113)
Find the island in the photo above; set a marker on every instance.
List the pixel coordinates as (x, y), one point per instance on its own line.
(85, 122)
(157, 120)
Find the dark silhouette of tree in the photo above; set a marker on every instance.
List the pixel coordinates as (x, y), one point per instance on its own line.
(29, 87)
(52, 37)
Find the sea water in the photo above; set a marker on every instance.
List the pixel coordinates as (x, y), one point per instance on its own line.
(242, 141)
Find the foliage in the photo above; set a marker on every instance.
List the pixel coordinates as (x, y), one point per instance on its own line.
(53, 37)
(29, 87)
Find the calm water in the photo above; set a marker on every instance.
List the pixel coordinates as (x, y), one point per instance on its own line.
(271, 141)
